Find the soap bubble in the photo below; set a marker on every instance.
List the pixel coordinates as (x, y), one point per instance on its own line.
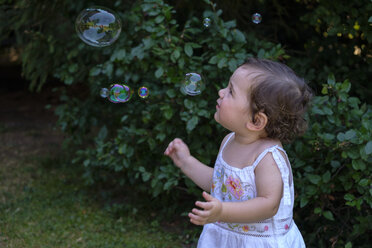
(256, 18)
(143, 92)
(207, 22)
(104, 92)
(129, 95)
(192, 84)
(98, 26)
(119, 93)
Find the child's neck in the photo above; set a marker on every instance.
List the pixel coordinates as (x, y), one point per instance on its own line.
(246, 139)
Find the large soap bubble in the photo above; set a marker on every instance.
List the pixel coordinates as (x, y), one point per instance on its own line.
(192, 84)
(98, 26)
(120, 93)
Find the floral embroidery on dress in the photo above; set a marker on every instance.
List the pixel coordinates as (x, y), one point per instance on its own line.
(213, 186)
(234, 186)
(220, 174)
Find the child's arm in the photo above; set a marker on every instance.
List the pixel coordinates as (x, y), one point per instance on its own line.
(198, 172)
(269, 186)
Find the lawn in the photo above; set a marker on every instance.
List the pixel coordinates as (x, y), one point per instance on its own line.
(45, 203)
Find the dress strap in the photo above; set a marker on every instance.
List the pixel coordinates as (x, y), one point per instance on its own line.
(282, 165)
(227, 141)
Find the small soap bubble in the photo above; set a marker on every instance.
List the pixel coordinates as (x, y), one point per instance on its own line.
(143, 92)
(119, 93)
(207, 22)
(192, 84)
(98, 26)
(104, 92)
(256, 18)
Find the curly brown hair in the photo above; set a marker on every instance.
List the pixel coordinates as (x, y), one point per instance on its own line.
(282, 95)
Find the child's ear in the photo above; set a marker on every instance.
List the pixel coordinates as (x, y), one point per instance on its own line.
(260, 121)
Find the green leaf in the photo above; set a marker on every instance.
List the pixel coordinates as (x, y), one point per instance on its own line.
(328, 136)
(167, 112)
(317, 210)
(232, 64)
(303, 202)
(213, 60)
(363, 182)
(175, 55)
(328, 215)
(159, 72)
(188, 104)
(159, 19)
(358, 164)
(73, 68)
(326, 177)
(102, 134)
(331, 79)
(188, 49)
(345, 86)
(94, 71)
(191, 124)
(315, 179)
(261, 53)
(368, 147)
(238, 36)
(171, 93)
(221, 63)
(349, 197)
(341, 137)
(349, 244)
(350, 134)
(146, 176)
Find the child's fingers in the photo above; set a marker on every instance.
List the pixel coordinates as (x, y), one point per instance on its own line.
(200, 213)
(204, 205)
(169, 148)
(197, 220)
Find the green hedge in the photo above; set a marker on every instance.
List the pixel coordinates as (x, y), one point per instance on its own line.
(121, 145)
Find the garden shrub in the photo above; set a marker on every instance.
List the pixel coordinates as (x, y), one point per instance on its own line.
(332, 172)
(122, 145)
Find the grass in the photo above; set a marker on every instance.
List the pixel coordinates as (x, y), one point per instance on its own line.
(43, 203)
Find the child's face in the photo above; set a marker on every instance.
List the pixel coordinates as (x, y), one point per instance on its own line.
(232, 110)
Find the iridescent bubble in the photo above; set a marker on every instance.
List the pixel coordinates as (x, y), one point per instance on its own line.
(192, 84)
(98, 26)
(129, 93)
(207, 22)
(104, 92)
(120, 93)
(256, 18)
(143, 92)
(117, 91)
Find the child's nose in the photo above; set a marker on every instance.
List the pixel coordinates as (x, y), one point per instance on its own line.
(220, 93)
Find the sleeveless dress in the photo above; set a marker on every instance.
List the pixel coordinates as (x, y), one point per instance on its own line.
(231, 184)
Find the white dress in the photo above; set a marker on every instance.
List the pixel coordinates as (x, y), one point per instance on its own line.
(231, 184)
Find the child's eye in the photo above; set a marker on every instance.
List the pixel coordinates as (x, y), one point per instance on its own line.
(230, 90)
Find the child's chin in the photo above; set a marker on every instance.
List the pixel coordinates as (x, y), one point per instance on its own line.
(215, 117)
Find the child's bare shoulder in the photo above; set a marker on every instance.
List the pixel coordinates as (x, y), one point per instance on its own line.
(264, 144)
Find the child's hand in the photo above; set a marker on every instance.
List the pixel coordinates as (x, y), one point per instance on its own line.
(178, 151)
(211, 213)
